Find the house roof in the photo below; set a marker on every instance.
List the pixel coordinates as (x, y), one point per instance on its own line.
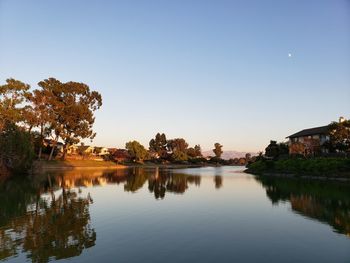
(83, 147)
(311, 131)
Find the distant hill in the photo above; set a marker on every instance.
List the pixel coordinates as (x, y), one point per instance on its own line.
(228, 154)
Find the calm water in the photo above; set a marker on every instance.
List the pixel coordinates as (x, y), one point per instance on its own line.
(197, 215)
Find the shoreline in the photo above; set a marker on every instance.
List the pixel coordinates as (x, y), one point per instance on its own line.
(42, 166)
(294, 176)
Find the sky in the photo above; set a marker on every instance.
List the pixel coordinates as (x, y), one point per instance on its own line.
(236, 72)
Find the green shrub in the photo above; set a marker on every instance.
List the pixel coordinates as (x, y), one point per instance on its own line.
(297, 166)
(16, 149)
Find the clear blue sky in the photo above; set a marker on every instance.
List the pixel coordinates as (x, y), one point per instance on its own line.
(207, 71)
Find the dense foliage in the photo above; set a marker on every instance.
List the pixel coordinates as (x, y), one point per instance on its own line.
(17, 151)
(217, 150)
(339, 136)
(275, 150)
(136, 150)
(327, 167)
(56, 110)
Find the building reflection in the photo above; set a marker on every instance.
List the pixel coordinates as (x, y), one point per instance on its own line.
(327, 202)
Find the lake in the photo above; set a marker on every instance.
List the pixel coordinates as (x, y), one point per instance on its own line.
(173, 215)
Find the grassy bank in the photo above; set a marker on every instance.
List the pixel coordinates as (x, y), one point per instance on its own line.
(87, 164)
(317, 167)
(74, 164)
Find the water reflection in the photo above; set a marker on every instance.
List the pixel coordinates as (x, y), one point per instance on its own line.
(48, 217)
(34, 212)
(328, 202)
(52, 226)
(159, 181)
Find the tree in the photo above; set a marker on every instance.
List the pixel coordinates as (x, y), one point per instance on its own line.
(248, 157)
(12, 96)
(17, 151)
(136, 150)
(198, 150)
(40, 114)
(178, 148)
(179, 156)
(274, 149)
(72, 105)
(178, 144)
(217, 150)
(159, 145)
(339, 133)
(194, 152)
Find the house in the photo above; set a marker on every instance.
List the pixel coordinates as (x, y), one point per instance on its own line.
(49, 143)
(80, 150)
(309, 141)
(85, 150)
(72, 149)
(101, 151)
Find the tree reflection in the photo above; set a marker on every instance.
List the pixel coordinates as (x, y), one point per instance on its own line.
(47, 217)
(54, 227)
(327, 202)
(163, 181)
(218, 181)
(135, 180)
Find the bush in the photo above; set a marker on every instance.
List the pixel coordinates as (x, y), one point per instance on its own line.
(313, 167)
(16, 149)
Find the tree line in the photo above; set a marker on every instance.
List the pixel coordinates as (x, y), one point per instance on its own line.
(56, 110)
(175, 150)
(64, 112)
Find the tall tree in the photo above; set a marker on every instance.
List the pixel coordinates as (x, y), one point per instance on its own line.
(12, 96)
(72, 105)
(136, 150)
(159, 145)
(217, 150)
(41, 115)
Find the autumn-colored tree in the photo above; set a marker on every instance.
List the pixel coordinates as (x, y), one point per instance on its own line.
(136, 150)
(217, 150)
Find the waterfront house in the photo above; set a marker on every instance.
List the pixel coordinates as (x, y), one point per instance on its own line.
(50, 143)
(85, 150)
(309, 141)
(80, 150)
(101, 151)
